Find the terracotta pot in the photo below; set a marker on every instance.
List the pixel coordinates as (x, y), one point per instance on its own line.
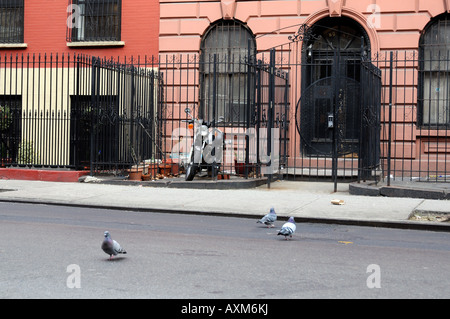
(165, 169)
(153, 169)
(5, 162)
(135, 175)
(175, 168)
(239, 168)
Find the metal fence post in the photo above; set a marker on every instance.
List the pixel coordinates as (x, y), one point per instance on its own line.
(248, 108)
(390, 120)
(335, 135)
(270, 111)
(91, 137)
(213, 122)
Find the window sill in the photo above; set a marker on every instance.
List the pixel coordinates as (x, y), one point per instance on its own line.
(427, 131)
(13, 45)
(95, 44)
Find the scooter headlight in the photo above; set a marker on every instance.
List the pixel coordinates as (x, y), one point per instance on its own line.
(204, 130)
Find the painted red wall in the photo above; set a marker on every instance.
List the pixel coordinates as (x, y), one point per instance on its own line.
(45, 30)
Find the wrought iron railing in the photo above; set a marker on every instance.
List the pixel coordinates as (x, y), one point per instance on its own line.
(82, 112)
(77, 111)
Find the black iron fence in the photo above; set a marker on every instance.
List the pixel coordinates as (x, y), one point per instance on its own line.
(334, 103)
(83, 112)
(78, 112)
(284, 112)
(415, 115)
(242, 97)
(362, 115)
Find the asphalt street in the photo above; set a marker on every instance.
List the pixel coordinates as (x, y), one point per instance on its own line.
(54, 252)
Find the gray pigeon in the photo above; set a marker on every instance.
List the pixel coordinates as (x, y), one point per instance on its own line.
(269, 219)
(288, 228)
(111, 247)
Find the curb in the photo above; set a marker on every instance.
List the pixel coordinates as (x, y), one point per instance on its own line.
(195, 184)
(371, 189)
(411, 225)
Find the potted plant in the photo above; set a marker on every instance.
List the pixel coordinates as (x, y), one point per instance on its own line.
(165, 168)
(4, 155)
(5, 118)
(153, 166)
(239, 163)
(5, 123)
(150, 169)
(26, 153)
(135, 173)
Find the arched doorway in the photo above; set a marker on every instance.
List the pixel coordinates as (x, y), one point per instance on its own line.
(329, 108)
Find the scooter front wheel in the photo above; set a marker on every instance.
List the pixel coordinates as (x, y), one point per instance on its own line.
(190, 171)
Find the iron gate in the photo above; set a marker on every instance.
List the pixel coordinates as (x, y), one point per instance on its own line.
(114, 115)
(369, 142)
(338, 114)
(271, 114)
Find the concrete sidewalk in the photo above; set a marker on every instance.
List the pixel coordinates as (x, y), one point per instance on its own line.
(306, 201)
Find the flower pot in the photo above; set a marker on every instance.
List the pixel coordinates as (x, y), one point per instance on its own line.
(6, 162)
(175, 168)
(153, 169)
(223, 176)
(135, 175)
(165, 169)
(239, 168)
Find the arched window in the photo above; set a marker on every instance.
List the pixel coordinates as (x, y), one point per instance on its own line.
(223, 71)
(434, 74)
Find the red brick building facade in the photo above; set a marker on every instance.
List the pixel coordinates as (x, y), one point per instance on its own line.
(46, 24)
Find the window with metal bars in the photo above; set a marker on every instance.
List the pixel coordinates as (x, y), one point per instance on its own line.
(224, 71)
(94, 20)
(11, 21)
(434, 74)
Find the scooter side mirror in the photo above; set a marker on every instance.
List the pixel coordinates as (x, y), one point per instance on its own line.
(187, 110)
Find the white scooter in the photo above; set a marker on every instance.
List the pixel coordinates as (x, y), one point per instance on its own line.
(207, 148)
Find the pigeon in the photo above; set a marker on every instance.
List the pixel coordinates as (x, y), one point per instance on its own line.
(111, 247)
(269, 219)
(288, 228)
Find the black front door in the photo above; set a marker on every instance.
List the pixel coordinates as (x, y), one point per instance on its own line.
(330, 100)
